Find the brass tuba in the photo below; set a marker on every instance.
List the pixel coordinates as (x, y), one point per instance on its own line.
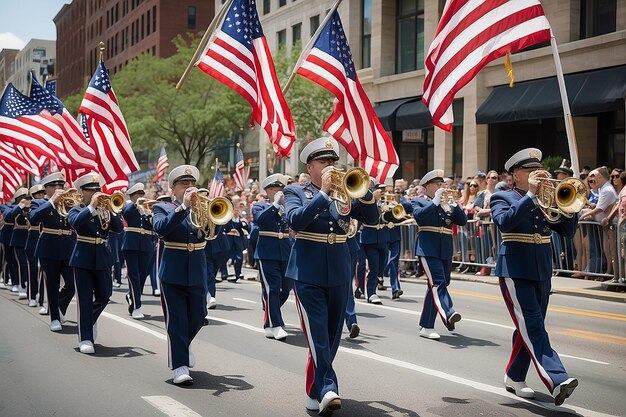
(558, 198)
(206, 213)
(346, 185)
(68, 199)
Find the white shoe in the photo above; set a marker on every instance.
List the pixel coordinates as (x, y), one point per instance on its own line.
(55, 326)
(181, 376)
(329, 403)
(137, 314)
(116, 284)
(374, 299)
(32, 303)
(192, 358)
(212, 303)
(518, 388)
(86, 347)
(63, 319)
(277, 333)
(43, 310)
(429, 333)
(157, 292)
(15, 288)
(95, 332)
(564, 390)
(311, 404)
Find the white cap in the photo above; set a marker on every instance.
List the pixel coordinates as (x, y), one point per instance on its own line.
(183, 172)
(164, 198)
(274, 180)
(89, 181)
(204, 191)
(436, 175)
(19, 194)
(39, 188)
(526, 158)
(321, 148)
(53, 179)
(137, 188)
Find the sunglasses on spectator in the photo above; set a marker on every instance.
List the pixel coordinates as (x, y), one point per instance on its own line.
(592, 181)
(615, 176)
(493, 178)
(473, 185)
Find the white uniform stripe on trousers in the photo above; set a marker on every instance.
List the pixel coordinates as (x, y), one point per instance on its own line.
(267, 293)
(170, 361)
(19, 269)
(521, 326)
(433, 290)
(80, 339)
(305, 322)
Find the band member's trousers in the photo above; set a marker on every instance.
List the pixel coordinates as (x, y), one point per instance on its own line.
(277, 288)
(376, 260)
(351, 305)
(58, 300)
(437, 300)
(184, 308)
(33, 275)
(527, 303)
(93, 290)
(138, 266)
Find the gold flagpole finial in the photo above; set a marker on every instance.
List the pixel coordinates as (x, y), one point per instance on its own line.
(101, 48)
(509, 69)
(238, 145)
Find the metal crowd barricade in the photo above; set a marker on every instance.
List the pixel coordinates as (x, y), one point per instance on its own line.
(476, 244)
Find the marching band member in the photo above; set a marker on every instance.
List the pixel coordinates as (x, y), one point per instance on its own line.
(236, 238)
(92, 260)
(320, 267)
(434, 248)
(18, 217)
(36, 192)
(54, 248)
(395, 237)
(138, 247)
(215, 252)
(355, 247)
(182, 271)
(114, 244)
(524, 266)
(272, 253)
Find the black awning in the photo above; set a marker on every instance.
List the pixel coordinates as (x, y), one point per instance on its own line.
(386, 112)
(589, 92)
(415, 115)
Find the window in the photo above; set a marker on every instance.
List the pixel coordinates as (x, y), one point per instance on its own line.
(296, 34)
(154, 21)
(124, 33)
(597, 17)
(409, 35)
(191, 17)
(366, 34)
(314, 22)
(143, 24)
(282, 38)
(266, 6)
(148, 23)
(281, 3)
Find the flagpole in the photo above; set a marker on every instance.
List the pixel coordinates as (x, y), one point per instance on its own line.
(569, 122)
(203, 42)
(309, 46)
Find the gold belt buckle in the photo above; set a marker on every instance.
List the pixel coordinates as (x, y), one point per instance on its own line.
(190, 247)
(98, 240)
(537, 238)
(59, 232)
(390, 225)
(280, 235)
(331, 238)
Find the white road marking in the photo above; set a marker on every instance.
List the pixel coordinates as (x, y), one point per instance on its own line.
(583, 359)
(170, 406)
(245, 301)
(134, 324)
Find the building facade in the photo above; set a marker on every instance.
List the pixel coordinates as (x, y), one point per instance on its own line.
(7, 65)
(38, 55)
(128, 28)
(389, 40)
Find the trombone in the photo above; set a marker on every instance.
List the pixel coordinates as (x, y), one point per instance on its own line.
(207, 213)
(68, 199)
(346, 185)
(558, 198)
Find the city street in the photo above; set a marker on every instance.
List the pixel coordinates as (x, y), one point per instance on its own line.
(387, 371)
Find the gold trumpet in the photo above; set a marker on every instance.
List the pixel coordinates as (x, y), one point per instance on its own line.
(346, 185)
(450, 196)
(558, 198)
(206, 213)
(68, 199)
(389, 204)
(145, 205)
(107, 204)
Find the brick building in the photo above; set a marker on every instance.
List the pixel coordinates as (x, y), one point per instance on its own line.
(128, 28)
(7, 65)
(70, 23)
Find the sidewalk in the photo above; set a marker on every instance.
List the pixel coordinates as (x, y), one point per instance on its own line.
(560, 285)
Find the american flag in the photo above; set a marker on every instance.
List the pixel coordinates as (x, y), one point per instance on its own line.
(241, 171)
(12, 179)
(469, 36)
(238, 56)
(162, 165)
(216, 188)
(353, 121)
(51, 86)
(108, 134)
(17, 157)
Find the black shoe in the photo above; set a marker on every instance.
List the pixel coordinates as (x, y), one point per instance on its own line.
(358, 294)
(130, 303)
(381, 285)
(395, 295)
(564, 390)
(354, 330)
(454, 318)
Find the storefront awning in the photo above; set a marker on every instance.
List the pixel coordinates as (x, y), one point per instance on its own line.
(386, 112)
(415, 115)
(589, 92)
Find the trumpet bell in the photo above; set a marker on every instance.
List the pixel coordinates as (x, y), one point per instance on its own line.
(116, 202)
(356, 182)
(570, 195)
(220, 210)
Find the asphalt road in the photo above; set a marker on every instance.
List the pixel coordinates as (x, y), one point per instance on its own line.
(387, 371)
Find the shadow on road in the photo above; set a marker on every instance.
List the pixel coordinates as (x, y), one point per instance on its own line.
(370, 315)
(217, 383)
(369, 409)
(224, 307)
(119, 351)
(459, 341)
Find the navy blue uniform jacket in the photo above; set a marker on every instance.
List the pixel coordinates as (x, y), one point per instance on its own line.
(268, 219)
(51, 246)
(433, 244)
(133, 240)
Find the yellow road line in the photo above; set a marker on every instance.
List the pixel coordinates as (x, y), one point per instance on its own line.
(554, 309)
(594, 336)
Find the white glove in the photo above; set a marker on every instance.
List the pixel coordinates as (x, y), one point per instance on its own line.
(278, 197)
(437, 198)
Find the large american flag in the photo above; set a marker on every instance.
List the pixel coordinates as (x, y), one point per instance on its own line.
(216, 188)
(51, 86)
(238, 56)
(353, 121)
(469, 36)
(162, 165)
(241, 171)
(108, 134)
(12, 179)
